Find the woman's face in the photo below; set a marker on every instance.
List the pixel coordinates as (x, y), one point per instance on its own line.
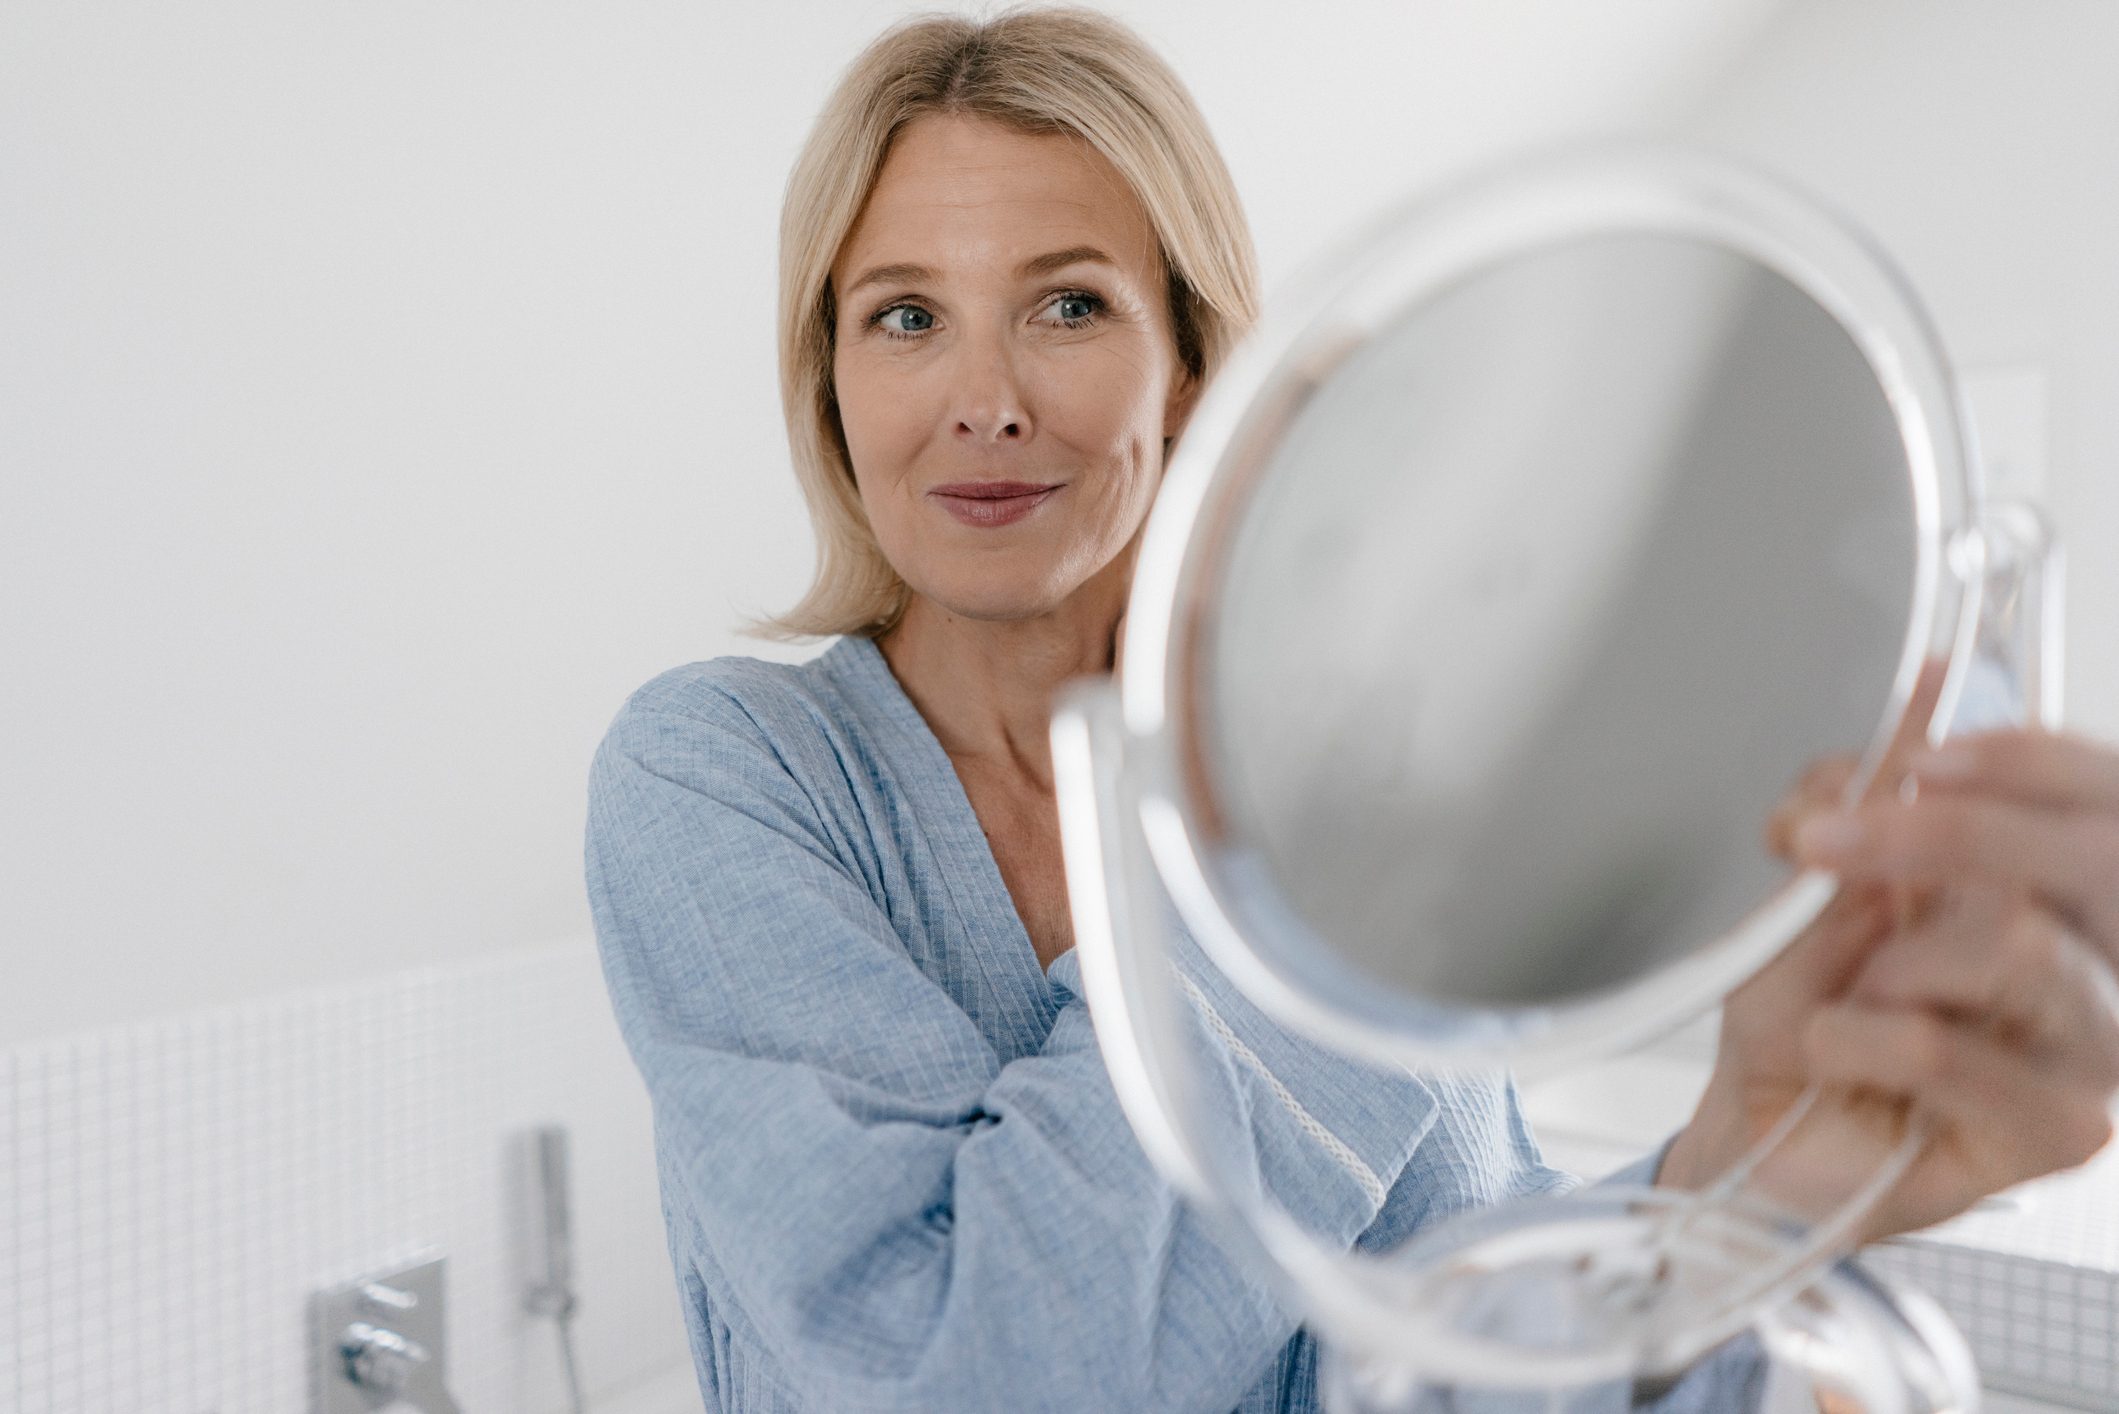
(1003, 317)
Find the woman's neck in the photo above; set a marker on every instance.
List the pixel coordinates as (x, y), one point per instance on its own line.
(986, 686)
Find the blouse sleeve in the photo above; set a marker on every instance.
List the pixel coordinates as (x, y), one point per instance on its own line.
(899, 1220)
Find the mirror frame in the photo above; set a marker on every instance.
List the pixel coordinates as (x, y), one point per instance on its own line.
(1411, 253)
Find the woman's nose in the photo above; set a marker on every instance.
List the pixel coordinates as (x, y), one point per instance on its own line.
(990, 406)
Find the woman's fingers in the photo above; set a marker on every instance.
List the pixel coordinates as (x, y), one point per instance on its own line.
(2013, 1117)
(2016, 972)
(2027, 766)
(1822, 787)
(1965, 958)
(2071, 858)
(1821, 962)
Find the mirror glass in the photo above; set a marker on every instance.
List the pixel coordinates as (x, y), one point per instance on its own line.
(1544, 594)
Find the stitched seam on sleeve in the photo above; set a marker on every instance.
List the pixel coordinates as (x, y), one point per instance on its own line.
(1330, 1142)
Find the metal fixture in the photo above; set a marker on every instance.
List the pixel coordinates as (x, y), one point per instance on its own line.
(379, 1344)
(551, 1287)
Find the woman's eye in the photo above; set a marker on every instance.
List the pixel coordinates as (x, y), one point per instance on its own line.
(916, 320)
(1076, 308)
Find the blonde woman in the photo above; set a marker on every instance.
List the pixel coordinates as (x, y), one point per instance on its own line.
(829, 896)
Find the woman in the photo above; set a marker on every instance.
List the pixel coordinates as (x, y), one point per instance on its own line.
(829, 899)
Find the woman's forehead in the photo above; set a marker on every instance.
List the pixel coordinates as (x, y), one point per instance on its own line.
(964, 195)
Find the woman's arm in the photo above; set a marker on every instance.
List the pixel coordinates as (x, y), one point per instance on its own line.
(900, 1220)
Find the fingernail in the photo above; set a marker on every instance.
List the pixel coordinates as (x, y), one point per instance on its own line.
(1823, 836)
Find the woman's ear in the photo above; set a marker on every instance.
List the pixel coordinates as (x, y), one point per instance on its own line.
(1177, 408)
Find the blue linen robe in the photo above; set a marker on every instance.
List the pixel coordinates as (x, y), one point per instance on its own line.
(894, 1173)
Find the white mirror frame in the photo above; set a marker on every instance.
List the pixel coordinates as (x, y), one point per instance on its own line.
(1407, 256)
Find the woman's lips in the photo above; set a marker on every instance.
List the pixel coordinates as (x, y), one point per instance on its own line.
(988, 509)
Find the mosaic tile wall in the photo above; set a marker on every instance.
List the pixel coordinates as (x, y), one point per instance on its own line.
(172, 1193)
(2034, 1285)
(2039, 1328)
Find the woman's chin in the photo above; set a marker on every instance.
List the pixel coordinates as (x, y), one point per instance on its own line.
(992, 603)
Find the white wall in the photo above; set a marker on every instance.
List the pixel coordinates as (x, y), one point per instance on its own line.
(1980, 143)
(388, 389)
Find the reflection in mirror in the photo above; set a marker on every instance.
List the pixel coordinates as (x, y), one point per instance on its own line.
(1688, 491)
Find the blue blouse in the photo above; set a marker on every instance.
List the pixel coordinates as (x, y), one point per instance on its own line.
(894, 1173)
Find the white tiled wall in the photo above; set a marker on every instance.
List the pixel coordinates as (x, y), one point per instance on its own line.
(2033, 1285)
(172, 1193)
(2035, 1327)
(2070, 1218)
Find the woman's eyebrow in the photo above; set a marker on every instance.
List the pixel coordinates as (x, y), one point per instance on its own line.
(903, 272)
(1072, 255)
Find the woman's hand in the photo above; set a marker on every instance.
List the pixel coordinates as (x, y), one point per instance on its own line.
(1967, 966)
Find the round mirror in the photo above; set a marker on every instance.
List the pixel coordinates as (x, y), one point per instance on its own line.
(1551, 545)
(1576, 567)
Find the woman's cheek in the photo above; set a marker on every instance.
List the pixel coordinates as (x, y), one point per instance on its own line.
(882, 432)
(1111, 409)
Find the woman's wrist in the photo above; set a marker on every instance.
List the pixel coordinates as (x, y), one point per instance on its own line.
(1678, 1168)
(1708, 1144)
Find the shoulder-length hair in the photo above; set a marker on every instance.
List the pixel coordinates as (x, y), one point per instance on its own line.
(1037, 70)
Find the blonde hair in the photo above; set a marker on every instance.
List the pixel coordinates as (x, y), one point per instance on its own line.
(1043, 70)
